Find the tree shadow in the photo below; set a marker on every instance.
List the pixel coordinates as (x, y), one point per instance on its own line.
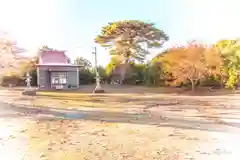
(140, 99)
(54, 114)
(125, 101)
(134, 89)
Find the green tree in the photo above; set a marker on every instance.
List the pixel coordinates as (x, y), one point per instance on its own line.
(136, 73)
(45, 47)
(154, 73)
(230, 51)
(102, 73)
(84, 62)
(130, 39)
(86, 75)
(111, 66)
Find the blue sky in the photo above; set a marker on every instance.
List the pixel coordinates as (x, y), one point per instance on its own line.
(72, 24)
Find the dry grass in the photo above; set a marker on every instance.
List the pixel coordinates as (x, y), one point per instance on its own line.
(116, 97)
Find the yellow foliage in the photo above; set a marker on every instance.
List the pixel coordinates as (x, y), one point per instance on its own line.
(114, 62)
(191, 63)
(12, 73)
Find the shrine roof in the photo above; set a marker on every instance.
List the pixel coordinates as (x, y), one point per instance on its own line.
(54, 58)
(59, 64)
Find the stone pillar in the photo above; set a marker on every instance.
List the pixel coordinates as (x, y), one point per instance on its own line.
(29, 91)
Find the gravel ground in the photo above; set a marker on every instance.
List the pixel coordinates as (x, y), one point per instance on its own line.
(193, 128)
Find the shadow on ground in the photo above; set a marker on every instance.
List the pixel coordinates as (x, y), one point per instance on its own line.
(54, 114)
(134, 89)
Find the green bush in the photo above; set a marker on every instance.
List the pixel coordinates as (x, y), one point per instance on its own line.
(86, 77)
(210, 82)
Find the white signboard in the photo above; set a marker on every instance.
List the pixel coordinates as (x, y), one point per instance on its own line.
(59, 87)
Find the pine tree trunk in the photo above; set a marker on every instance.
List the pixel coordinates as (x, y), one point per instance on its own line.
(222, 81)
(123, 71)
(193, 85)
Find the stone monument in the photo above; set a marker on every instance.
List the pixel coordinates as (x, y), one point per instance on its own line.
(29, 90)
(98, 88)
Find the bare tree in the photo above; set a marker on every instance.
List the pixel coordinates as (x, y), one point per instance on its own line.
(9, 59)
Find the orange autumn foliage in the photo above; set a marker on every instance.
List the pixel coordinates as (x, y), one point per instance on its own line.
(192, 63)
